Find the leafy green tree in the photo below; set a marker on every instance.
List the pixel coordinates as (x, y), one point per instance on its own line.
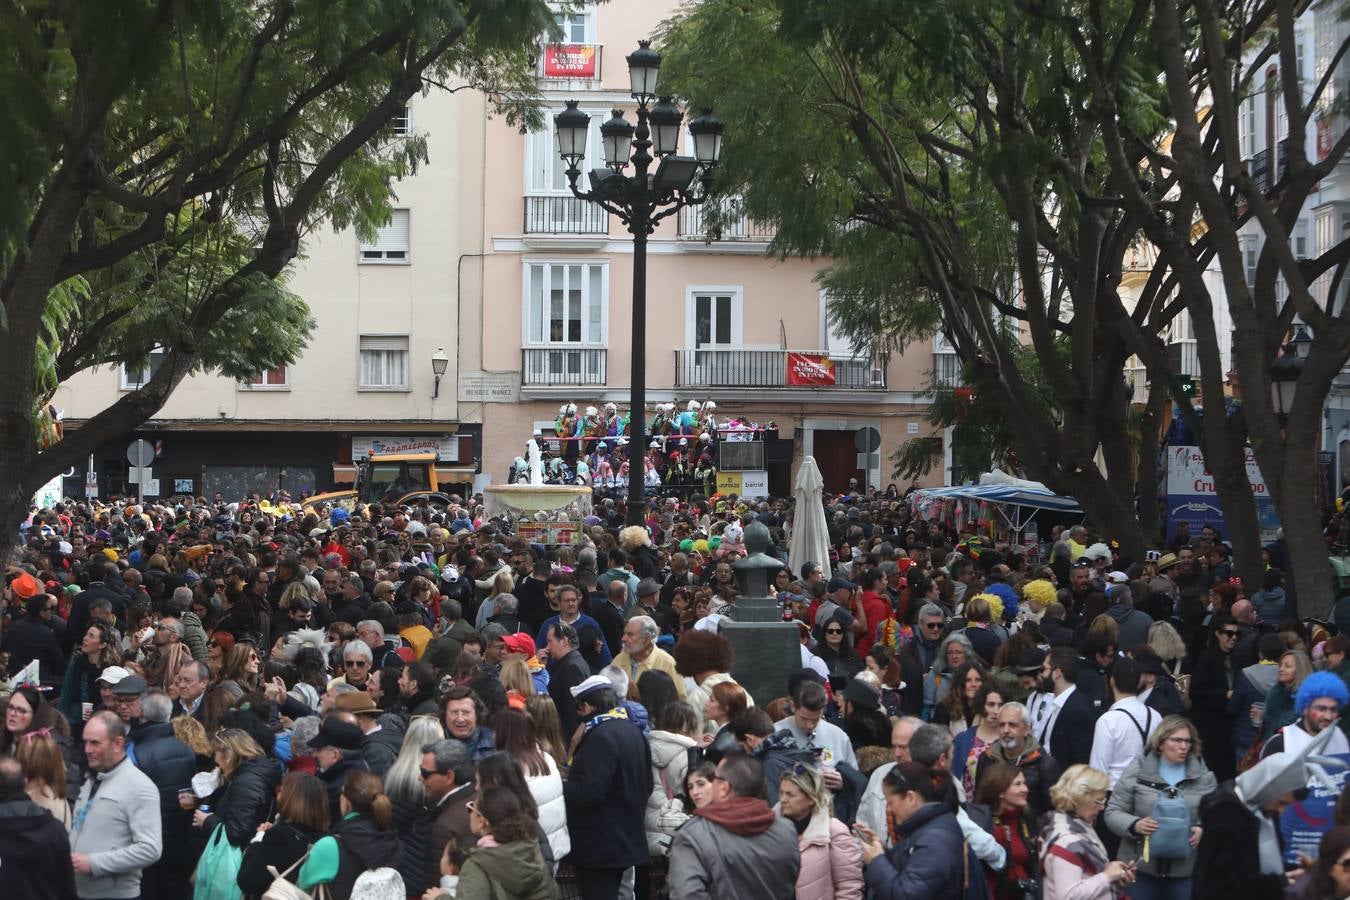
(981, 440)
(1009, 158)
(167, 159)
(941, 148)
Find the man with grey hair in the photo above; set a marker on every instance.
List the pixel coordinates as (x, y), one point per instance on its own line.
(303, 731)
(354, 600)
(1017, 746)
(917, 657)
(113, 841)
(448, 776)
(194, 632)
(356, 663)
(170, 764)
(640, 653)
(383, 650)
(506, 607)
(1134, 623)
(190, 685)
(679, 577)
(872, 807)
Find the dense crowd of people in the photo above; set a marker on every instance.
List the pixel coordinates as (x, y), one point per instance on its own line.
(227, 700)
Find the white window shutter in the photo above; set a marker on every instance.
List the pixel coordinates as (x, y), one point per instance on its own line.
(383, 342)
(391, 239)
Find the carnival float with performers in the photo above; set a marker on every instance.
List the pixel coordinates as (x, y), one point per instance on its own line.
(589, 447)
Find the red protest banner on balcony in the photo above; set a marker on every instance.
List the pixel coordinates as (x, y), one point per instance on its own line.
(809, 369)
(569, 61)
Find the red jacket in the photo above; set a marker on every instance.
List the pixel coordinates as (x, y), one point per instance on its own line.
(877, 609)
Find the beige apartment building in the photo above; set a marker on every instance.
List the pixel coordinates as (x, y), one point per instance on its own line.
(365, 381)
(527, 292)
(723, 317)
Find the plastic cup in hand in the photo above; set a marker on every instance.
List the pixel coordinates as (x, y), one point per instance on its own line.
(187, 800)
(1258, 713)
(86, 710)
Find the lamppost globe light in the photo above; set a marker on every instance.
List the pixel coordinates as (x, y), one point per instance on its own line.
(1301, 342)
(1284, 375)
(572, 127)
(666, 120)
(439, 361)
(644, 64)
(617, 135)
(707, 132)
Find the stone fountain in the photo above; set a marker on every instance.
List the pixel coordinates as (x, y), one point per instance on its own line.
(535, 501)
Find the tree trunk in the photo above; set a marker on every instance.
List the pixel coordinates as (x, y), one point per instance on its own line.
(1146, 467)
(1104, 507)
(1226, 459)
(1296, 503)
(16, 497)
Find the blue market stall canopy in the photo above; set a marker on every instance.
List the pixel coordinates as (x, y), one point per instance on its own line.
(1035, 498)
(1009, 495)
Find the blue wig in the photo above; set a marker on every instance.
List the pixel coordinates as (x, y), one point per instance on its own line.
(1321, 684)
(1008, 596)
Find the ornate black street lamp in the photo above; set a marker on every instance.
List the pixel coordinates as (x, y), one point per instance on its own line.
(641, 200)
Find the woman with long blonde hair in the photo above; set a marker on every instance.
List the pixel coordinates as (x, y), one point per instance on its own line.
(193, 733)
(250, 780)
(515, 677)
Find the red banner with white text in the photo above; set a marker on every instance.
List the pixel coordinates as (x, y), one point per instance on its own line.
(569, 61)
(809, 369)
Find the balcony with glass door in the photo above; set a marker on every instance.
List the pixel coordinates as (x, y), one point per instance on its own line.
(547, 366)
(721, 220)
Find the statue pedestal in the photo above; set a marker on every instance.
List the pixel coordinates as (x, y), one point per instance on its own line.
(767, 649)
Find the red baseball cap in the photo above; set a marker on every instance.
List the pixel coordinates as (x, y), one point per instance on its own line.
(520, 642)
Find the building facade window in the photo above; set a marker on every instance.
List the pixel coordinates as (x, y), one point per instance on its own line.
(1247, 127)
(401, 123)
(391, 241)
(546, 173)
(1251, 253)
(566, 303)
(134, 376)
(714, 317)
(576, 25)
(273, 379)
(384, 363)
(566, 308)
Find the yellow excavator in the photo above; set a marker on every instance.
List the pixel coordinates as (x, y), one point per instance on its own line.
(399, 479)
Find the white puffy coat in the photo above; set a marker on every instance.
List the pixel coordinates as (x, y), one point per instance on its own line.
(547, 791)
(670, 763)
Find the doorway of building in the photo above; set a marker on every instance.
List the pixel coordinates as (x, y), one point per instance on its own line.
(837, 457)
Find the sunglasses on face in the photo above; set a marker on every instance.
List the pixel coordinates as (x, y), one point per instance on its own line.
(428, 773)
(1228, 634)
(355, 663)
(834, 631)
